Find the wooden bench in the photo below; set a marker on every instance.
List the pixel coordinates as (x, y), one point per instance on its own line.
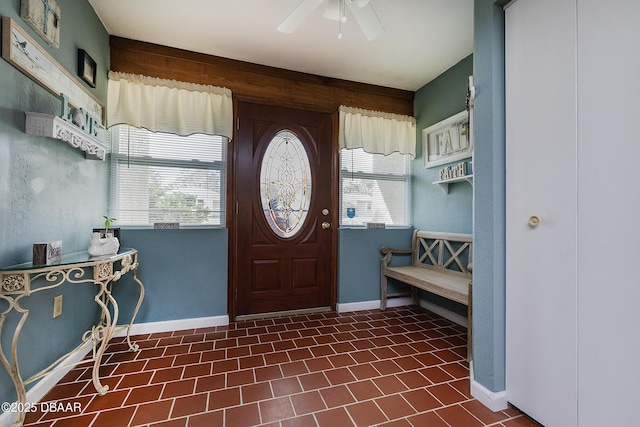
(441, 263)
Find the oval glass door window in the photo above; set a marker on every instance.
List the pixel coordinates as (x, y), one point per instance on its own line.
(285, 184)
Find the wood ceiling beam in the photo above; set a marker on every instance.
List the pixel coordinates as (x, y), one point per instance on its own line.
(255, 82)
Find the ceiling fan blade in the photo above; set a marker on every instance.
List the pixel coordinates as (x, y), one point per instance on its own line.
(367, 19)
(299, 14)
(333, 11)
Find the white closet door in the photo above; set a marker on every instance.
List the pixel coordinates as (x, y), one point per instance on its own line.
(609, 211)
(541, 181)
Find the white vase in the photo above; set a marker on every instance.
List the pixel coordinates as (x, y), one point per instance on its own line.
(99, 246)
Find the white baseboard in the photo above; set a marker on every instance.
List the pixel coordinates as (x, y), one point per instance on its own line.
(177, 325)
(447, 314)
(399, 302)
(42, 387)
(496, 401)
(372, 305)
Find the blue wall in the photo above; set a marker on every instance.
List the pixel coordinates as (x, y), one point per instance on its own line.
(359, 250)
(359, 261)
(432, 209)
(489, 187)
(184, 273)
(48, 191)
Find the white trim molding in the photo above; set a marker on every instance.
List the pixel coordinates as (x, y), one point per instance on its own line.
(446, 313)
(371, 305)
(496, 401)
(400, 302)
(176, 325)
(42, 387)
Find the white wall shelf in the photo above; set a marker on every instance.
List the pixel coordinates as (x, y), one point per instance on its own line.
(444, 184)
(54, 127)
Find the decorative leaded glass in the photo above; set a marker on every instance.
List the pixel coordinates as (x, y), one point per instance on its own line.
(285, 184)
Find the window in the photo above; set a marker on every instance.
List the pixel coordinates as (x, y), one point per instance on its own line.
(285, 184)
(160, 177)
(374, 188)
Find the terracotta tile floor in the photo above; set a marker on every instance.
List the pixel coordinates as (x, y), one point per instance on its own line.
(402, 367)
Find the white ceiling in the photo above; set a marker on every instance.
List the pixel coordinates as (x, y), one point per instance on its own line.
(422, 38)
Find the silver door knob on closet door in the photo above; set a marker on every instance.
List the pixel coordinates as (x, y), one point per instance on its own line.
(534, 221)
(326, 225)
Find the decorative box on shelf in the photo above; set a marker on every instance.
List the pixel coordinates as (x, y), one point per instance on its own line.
(54, 127)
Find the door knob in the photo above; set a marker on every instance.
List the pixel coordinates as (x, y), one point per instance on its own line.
(325, 212)
(534, 221)
(326, 225)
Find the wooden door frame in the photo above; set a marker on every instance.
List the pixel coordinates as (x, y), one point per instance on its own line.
(232, 197)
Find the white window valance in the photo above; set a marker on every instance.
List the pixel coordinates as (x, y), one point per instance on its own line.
(168, 106)
(376, 132)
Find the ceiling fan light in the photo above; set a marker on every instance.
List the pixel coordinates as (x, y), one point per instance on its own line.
(361, 10)
(367, 19)
(299, 14)
(333, 11)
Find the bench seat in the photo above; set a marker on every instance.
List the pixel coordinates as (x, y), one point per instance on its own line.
(441, 263)
(445, 283)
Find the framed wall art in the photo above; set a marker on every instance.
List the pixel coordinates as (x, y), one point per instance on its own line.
(447, 141)
(44, 17)
(86, 68)
(24, 53)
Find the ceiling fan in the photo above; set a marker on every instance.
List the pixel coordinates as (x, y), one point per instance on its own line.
(361, 10)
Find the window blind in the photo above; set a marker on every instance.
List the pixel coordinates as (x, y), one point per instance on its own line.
(160, 177)
(377, 188)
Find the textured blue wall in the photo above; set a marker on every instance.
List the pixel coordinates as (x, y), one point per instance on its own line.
(48, 191)
(432, 209)
(184, 273)
(359, 250)
(489, 187)
(359, 261)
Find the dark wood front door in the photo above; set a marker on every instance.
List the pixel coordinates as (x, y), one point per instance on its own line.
(283, 233)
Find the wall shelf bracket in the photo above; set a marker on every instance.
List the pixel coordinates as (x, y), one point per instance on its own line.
(444, 184)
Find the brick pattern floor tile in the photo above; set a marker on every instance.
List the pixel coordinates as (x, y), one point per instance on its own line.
(403, 367)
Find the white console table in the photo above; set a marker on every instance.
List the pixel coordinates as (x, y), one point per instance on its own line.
(20, 281)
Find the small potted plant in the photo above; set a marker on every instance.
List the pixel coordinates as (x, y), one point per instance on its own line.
(107, 223)
(108, 230)
(105, 241)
